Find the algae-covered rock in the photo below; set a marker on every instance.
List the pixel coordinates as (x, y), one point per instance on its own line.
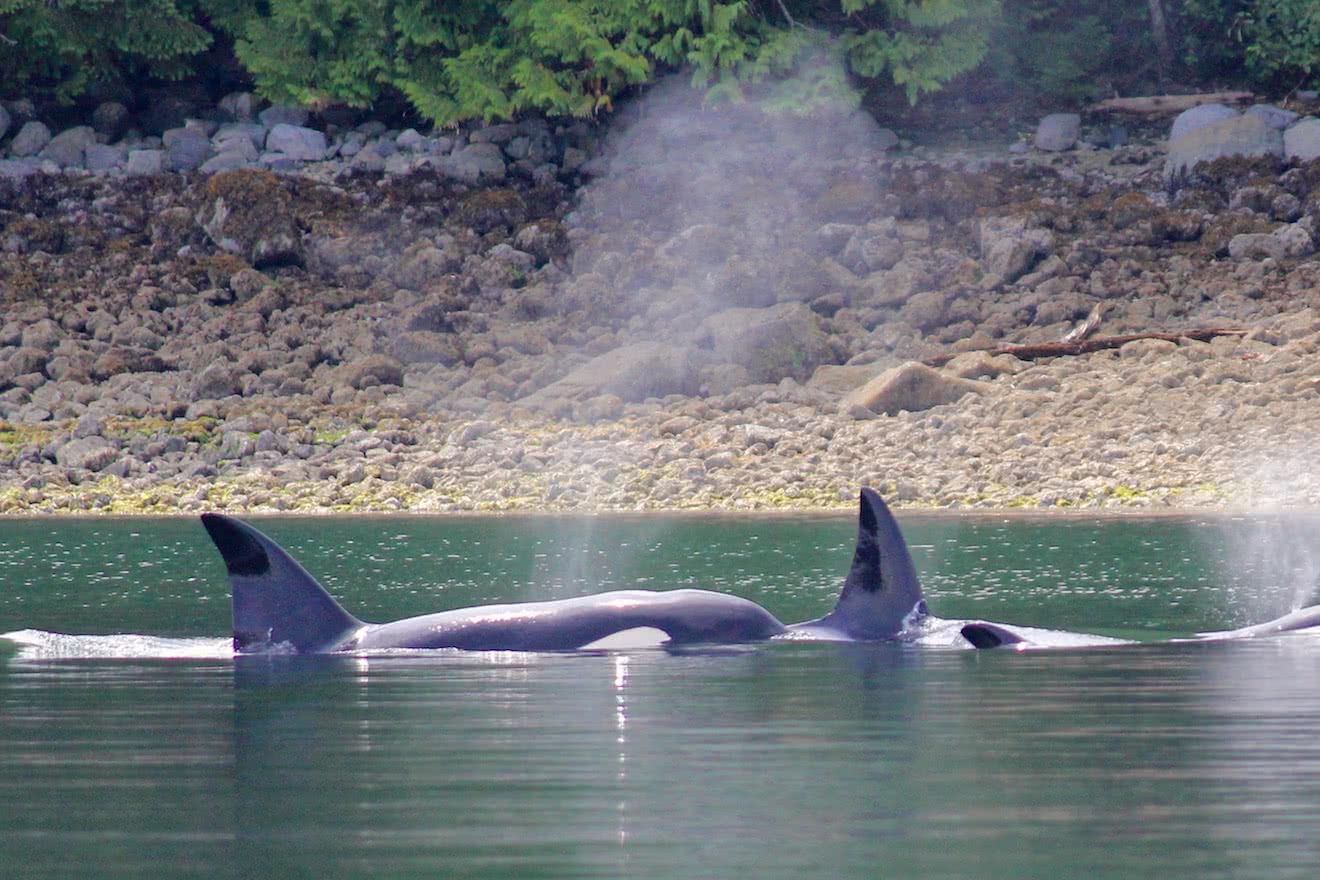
(249, 212)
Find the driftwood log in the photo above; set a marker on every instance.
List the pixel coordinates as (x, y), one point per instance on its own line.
(1064, 348)
(1169, 103)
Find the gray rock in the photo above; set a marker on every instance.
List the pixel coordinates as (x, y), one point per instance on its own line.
(411, 140)
(495, 134)
(834, 237)
(296, 142)
(402, 163)
(632, 372)
(926, 310)
(1058, 131)
(90, 425)
(18, 168)
(771, 343)
(1198, 117)
(873, 248)
(27, 360)
(215, 382)
(369, 158)
(1009, 248)
(351, 145)
(282, 114)
(87, 453)
(5, 122)
(376, 369)
(474, 163)
(1277, 117)
(1292, 240)
(240, 106)
(101, 158)
(913, 387)
(30, 140)
(186, 149)
(574, 159)
(145, 162)
(227, 161)
(44, 334)
(1247, 135)
(67, 148)
(239, 136)
(1301, 142)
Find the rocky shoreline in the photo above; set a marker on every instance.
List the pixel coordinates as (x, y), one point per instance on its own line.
(701, 311)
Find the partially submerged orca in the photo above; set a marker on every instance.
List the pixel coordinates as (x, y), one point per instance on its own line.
(278, 606)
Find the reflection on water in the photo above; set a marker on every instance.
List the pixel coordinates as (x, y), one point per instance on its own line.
(779, 760)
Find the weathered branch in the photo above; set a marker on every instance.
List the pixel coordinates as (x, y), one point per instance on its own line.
(1169, 103)
(1065, 348)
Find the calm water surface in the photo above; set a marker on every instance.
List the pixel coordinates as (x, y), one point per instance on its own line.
(152, 753)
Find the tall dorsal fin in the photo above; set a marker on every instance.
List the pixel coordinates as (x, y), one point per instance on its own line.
(882, 590)
(275, 601)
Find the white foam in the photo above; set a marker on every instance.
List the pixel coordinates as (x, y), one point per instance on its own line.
(34, 644)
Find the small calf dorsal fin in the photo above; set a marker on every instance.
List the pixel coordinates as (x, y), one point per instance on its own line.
(989, 635)
(276, 603)
(881, 595)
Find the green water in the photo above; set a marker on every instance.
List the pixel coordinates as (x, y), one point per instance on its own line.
(780, 760)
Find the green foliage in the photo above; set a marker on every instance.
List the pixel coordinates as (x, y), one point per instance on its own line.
(1272, 44)
(462, 59)
(919, 44)
(1068, 52)
(62, 47)
(1213, 37)
(1283, 42)
(471, 59)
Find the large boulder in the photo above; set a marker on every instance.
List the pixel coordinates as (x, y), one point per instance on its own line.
(249, 212)
(67, 149)
(144, 162)
(781, 341)
(1009, 247)
(296, 142)
(87, 453)
(186, 149)
(1292, 240)
(1248, 135)
(30, 140)
(1200, 116)
(632, 372)
(912, 387)
(1058, 131)
(1301, 142)
(475, 162)
(374, 369)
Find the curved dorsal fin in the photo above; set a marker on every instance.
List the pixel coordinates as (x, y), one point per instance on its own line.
(882, 593)
(275, 601)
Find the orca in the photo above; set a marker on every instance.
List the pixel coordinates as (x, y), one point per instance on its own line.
(279, 607)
